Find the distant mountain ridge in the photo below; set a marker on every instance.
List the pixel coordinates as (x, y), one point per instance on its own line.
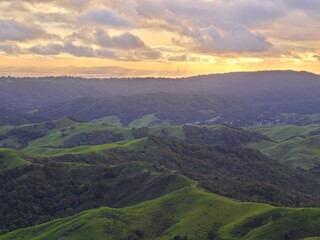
(35, 92)
(263, 92)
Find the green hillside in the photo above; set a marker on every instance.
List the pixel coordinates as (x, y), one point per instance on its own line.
(38, 193)
(298, 152)
(75, 166)
(144, 121)
(189, 213)
(10, 159)
(114, 121)
(47, 151)
(283, 132)
(293, 146)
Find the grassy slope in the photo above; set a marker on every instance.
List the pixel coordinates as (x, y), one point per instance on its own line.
(292, 150)
(282, 132)
(66, 128)
(187, 212)
(45, 146)
(314, 117)
(114, 121)
(145, 121)
(56, 137)
(10, 159)
(5, 129)
(47, 151)
(174, 131)
(294, 153)
(48, 144)
(39, 127)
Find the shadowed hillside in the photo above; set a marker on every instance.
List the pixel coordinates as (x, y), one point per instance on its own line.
(185, 214)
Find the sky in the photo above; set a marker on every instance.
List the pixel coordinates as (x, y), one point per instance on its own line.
(157, 37)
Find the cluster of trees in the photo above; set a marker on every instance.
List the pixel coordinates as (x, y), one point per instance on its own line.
(10, 116)
(34, 194)
(38, 193)
(231, 171)
(26, 134)
(239, 173)
(92, 138)
(226, 135)
(180, 108)
(48, 188)
(140, 132)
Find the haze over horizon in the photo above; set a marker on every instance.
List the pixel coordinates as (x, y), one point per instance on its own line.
(157, 38)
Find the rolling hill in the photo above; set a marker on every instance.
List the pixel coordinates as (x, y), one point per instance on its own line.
(10, 159)
(188, 213)
(36, 193)
(78, 179)
(158, 107)
(292, 145)
(10, 116)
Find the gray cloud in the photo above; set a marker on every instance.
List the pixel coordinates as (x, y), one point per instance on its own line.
(14, 5)
(53, 18)
(124, 41)
(72, 49)
(10, 48)
(309, 5)
(104, 53)
(237, 39)
(79, 50)
(179, 58)
(78, 5)
(15, 31)
(215, 26)
(146, 53)
(206, 26)
(50, 49)
(86, 51)
(103, 17)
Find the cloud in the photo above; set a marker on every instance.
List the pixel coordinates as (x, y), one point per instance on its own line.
(215, 26)
(237, 38)
(309, 5)
(53, 18)
(17, 6)
(144, 54)
(15, 31)
(79, 50)
(103, 17)
(124, 41)
(73, 49)
(198, 29)
(77, 5)
(255, 12)
(50, 49)
(317, 57)
(179, 58)
(104, 53)
(86, 51)
(10, 48)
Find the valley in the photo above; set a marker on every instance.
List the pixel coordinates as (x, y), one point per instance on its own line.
(150, 165)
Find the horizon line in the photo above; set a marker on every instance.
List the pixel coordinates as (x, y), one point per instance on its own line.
(95, 75)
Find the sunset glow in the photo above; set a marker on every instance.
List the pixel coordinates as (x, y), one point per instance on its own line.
(158, 37)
